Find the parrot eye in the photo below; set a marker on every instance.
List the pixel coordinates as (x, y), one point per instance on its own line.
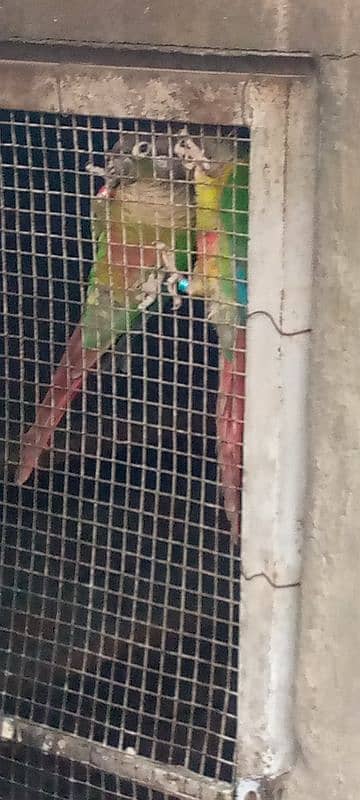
(141, 149)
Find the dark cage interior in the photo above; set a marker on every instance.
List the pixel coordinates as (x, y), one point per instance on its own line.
(26, 772)
(119, 582)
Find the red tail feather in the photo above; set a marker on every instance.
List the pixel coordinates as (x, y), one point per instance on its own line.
(66, 384)
(230, 430)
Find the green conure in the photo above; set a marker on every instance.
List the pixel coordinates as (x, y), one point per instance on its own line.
(142, 221)
(220, 173)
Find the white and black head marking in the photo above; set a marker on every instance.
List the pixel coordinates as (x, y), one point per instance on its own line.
(122, 162)
(208, 155)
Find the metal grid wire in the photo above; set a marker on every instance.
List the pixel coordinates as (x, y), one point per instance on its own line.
(119, 583)
(28, 774)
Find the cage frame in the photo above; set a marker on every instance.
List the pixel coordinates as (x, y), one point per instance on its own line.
(280, 110)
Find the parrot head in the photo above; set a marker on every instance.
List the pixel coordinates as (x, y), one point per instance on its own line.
(139, 156)
(208, 157)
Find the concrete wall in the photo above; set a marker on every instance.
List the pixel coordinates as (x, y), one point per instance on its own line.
(328, 680)
(312, 26)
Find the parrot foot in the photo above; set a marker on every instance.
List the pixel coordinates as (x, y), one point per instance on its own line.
(168, 262)
(150, 290)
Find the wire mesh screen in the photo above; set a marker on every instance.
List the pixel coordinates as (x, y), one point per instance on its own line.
(119, 580)
(28, 774)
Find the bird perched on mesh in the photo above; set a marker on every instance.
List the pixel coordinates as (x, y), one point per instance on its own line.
(141, 218)
(220, 171)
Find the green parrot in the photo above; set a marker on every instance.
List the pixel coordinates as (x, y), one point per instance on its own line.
(221, 175)
(141, 225)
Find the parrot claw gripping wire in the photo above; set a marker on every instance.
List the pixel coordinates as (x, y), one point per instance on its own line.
(151, 288)
(169, 265)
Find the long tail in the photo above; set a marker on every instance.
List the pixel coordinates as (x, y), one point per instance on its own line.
(230, 430)
(66, 384)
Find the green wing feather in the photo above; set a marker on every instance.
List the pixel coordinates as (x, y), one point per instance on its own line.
(234, 206)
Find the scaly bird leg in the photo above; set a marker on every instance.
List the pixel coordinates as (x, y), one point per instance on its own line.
(150, 290)
(169, 266)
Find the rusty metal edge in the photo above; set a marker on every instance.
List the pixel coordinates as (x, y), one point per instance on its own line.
(177, 781)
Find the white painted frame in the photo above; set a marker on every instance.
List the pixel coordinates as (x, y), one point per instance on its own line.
(282, 172)
(280, 110)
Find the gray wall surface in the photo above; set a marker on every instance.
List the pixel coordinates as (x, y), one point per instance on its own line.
(328, 680)
(314, 26)
(328, 683)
